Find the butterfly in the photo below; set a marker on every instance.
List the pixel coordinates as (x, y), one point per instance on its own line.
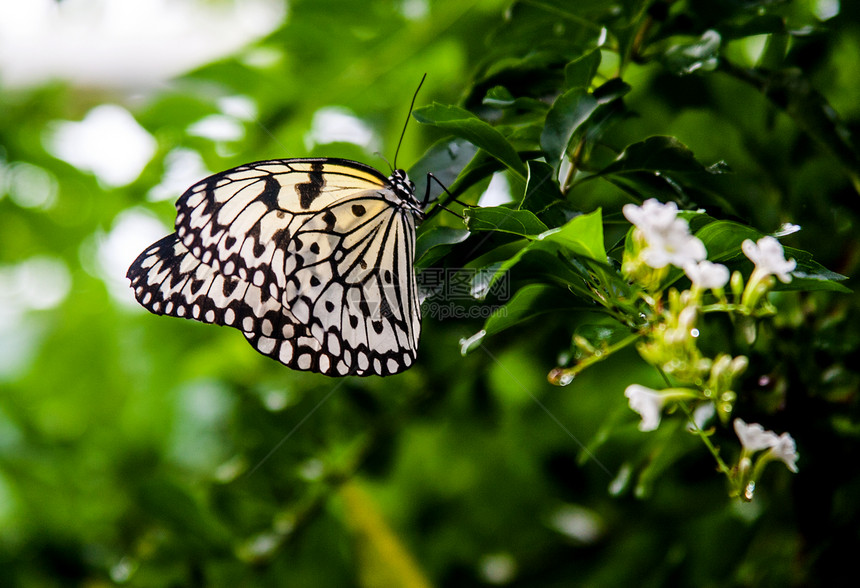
(312, 259)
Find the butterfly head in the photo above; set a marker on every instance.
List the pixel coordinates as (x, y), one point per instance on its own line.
(405, 190)
(401, 183)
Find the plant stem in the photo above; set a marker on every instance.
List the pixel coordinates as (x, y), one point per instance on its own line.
(707, 441)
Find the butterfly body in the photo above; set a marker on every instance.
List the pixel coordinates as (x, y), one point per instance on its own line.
(312, 259)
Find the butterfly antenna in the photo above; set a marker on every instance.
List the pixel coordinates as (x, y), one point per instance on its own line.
(411, 106)
(385, 159)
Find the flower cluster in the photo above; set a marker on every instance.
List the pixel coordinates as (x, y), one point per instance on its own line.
(669, 340)
(660, 239)
(667, 237)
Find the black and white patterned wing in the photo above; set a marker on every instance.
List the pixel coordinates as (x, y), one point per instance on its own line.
(326, 286)
(168, 280)
(242, 221)
(356, 291)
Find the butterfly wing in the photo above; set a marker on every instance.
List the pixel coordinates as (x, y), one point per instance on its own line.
(357, 295)
(168, 279)
(325, 285)
(242, 221)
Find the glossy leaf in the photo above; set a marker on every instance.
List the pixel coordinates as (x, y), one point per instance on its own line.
(723, 241)
(699, 55)
(445, 159)
(506, 220)
(530, 301)
(500, 97)
(580, 72)
(542, 196)
(581, 236)
(664, 168)
(463, 123)
(567, 115)
(435, 243)
(657, 154)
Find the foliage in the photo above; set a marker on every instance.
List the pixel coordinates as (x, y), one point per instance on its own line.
(159, 452)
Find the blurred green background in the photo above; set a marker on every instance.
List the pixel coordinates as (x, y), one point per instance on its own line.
(149, 451)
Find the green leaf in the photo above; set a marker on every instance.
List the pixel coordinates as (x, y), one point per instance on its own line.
(664, 168)
(435, 242)
(792, 92)
(541, 37)
(611, 91)
(567, 114)
(657, 154)
(699, 55)
(529, 301)
(581, 118)
(763, 24)
(500, 97)
(579, 72)
(775, 49)
(506, 220)
(723, 241)
(463, 123)
(539, 260)
(543, 197)
(445, 159)
(811, 275)
(479, 169)
(582, 235)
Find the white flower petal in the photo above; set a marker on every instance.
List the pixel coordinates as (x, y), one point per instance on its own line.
(769, 258)
(707, 275)
(750, 249)
(703, 413)
(648, 403)
(667, 237)
(652, 216)
(675, 246)
(753, 436)
(786, 451)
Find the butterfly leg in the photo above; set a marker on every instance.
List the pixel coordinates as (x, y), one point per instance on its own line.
(426, 200)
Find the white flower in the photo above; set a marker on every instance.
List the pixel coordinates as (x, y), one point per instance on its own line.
(648, 403)
(676, 247)
(785, 451)
(707, 275)
(703, 413)
(769, 258)
(753, 437)
(652, 216)
(668, 238)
